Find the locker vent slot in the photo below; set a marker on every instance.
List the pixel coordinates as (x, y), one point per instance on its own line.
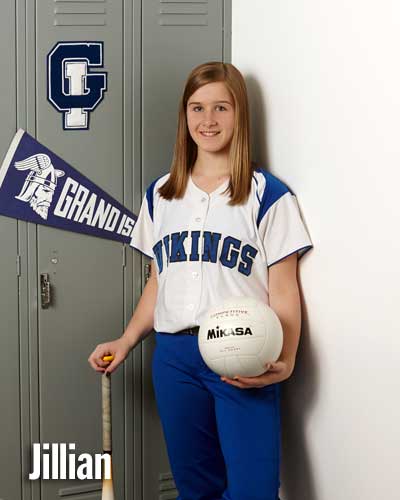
(183, 13)
(80, 13)
(180, 1)
(77, 490)
(167, 487)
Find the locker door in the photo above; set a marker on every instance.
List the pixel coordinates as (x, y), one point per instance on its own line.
(177, 36)
(10, 469)
(86, 273)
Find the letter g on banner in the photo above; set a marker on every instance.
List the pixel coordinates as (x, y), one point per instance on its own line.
(72, 88)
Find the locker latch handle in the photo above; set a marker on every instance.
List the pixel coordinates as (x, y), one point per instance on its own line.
(45, 290)
(147, 272)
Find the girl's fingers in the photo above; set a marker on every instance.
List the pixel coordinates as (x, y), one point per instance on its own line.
(236, 383)
(248, 382)
(118, 358)
(102, 363)
(96, 361)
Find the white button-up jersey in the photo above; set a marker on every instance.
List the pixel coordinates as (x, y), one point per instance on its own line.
(207, 251)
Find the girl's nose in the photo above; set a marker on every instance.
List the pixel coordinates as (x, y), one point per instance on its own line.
(209, 118)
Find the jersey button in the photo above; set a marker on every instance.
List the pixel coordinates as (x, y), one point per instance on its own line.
(195, 274)
(198, 219)
(204, 199)
(190, 307)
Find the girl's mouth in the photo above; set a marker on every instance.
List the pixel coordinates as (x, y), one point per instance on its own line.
(209, 134)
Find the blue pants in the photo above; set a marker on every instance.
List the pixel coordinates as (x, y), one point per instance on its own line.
(223, 442)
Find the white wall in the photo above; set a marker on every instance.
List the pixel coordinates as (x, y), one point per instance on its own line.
(324, 84)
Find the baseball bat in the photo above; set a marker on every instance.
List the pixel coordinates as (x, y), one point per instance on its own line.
(107, 492)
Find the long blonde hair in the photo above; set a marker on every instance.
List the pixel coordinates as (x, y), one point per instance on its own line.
(185, 150)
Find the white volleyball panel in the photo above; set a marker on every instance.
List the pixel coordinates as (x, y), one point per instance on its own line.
(217, 365)
(245, 366)
(272, 347)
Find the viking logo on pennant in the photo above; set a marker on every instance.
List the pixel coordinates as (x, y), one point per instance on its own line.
(72, 87)
(40, 183)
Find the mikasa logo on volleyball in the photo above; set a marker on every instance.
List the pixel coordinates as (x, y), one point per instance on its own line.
(218, 332)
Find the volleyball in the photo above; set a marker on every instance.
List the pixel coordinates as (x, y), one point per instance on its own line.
(240, 337)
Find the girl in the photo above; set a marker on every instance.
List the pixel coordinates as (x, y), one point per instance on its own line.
(216, 226)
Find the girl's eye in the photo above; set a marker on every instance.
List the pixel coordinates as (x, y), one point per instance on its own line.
(195, 108)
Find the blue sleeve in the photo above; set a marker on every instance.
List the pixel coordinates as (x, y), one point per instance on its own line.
(280, 223)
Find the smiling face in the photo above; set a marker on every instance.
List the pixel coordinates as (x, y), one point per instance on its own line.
(210, 117)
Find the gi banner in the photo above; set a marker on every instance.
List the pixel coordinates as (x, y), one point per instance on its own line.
(38, 186)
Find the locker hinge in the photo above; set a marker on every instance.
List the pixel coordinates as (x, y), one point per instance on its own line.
(124, 256)
(18, 265)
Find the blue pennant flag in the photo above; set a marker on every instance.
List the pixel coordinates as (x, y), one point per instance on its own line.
(38, 186)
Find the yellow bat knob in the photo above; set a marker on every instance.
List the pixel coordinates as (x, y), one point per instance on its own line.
(108, 358)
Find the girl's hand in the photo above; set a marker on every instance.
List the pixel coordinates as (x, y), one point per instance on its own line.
(276, 372)
(118, 348)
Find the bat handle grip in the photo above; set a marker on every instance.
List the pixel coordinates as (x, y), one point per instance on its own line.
(106, 404)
